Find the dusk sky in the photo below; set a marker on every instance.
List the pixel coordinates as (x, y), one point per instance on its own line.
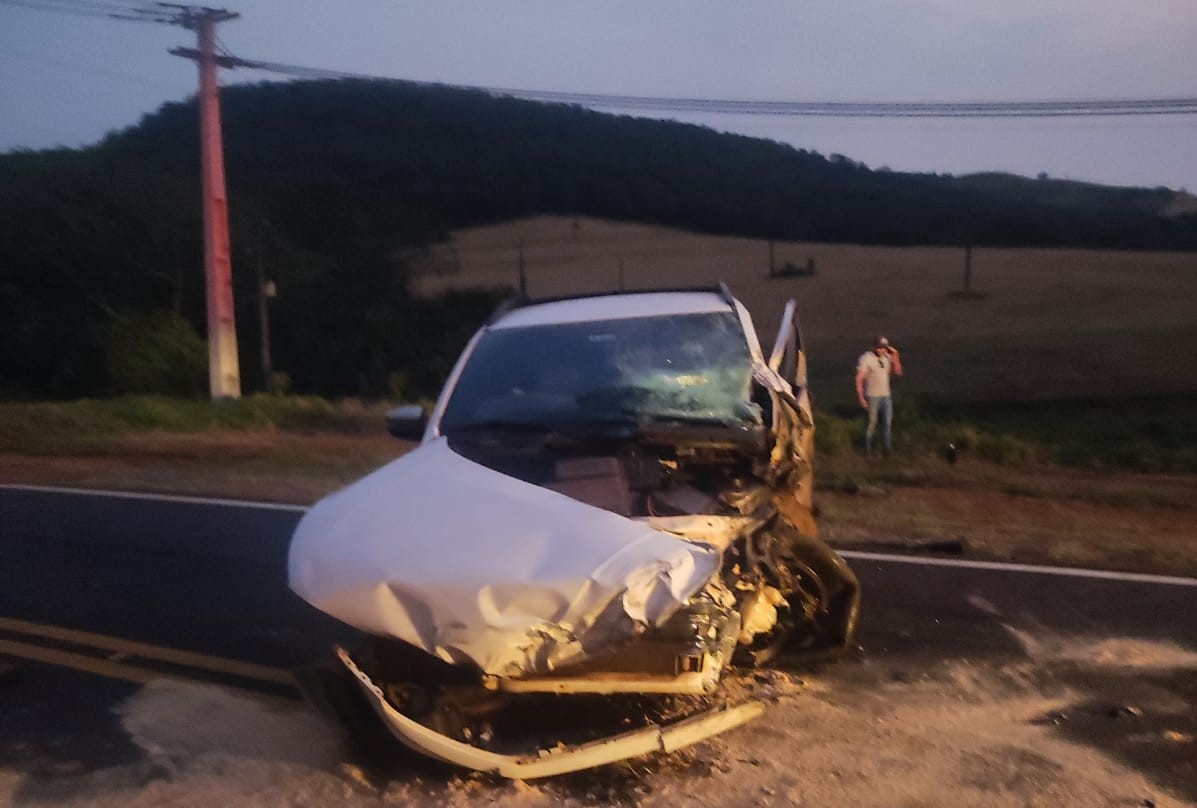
(69, 79)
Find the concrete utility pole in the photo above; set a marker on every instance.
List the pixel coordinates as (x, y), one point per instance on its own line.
(523, 272)
(968, 268)
(224, 373)
(267, 291)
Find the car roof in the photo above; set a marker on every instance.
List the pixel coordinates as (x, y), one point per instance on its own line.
(613, 307)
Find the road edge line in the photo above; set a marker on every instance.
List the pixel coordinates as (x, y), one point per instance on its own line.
(996, 566)
(1006, 566)
(142, 495)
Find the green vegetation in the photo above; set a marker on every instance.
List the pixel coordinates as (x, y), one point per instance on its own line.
(1147, 435)
(1155, 435)
(158, 352)
(336, 187)
(74, 426)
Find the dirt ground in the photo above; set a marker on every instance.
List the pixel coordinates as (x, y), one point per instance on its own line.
(1073, 527)
(262, 466)
(887, 731)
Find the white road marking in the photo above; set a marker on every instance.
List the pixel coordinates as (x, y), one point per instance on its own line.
(96, 492)
(929, 561)
(1001, 566)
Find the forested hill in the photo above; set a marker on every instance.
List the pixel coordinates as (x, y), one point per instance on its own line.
(331, 183)
(446, 157)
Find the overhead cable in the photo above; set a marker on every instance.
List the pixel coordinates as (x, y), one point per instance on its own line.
(177, 14)
(104, 10)
(829, 109)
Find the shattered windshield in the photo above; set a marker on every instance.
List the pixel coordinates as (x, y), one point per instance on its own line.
(692, 368)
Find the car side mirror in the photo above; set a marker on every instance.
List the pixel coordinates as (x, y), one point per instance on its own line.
(407, 422)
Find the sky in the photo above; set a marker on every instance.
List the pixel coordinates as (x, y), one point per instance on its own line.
(67, 79)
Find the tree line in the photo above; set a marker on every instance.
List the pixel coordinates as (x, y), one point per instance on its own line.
(335, 185)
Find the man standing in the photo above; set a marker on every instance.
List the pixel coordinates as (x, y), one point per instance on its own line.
(873, 370)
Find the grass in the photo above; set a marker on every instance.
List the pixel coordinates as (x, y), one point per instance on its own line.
(1154, 435)
(1151, 434)
(1046, 324)
(87, 425)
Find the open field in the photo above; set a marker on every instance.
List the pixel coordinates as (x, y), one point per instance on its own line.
(1044, 324)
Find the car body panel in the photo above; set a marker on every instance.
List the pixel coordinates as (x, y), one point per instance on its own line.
(613, 307)
(510, 576)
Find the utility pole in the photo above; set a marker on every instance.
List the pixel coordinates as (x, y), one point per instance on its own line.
(523, 272)
(968, 268)
(224, 373)
(267, 291)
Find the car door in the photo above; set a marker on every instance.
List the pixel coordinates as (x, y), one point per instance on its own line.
(788, 359)
(795, 433)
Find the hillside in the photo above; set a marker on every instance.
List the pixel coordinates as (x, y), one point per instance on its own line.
(337, 186)
(405, 157)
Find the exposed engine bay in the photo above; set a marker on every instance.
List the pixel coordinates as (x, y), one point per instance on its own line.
(778, 588)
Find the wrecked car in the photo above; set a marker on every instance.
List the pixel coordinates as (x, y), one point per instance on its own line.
(612, 495)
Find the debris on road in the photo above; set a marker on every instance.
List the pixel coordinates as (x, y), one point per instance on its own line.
(1051, 719)
(1124, 711)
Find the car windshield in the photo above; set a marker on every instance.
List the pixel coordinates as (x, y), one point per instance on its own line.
(693, 368)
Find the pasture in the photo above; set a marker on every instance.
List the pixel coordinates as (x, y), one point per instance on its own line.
(1041, 324)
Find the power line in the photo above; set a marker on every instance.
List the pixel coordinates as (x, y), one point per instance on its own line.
(40, 6)
(155, 12)
(100, 6)
(90, 70)
(103, 10)
(1059, 108)
(186, 16)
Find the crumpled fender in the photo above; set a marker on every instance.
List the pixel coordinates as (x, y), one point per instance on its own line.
(471, 565)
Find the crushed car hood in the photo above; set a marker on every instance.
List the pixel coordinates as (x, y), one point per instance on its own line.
(472, 565)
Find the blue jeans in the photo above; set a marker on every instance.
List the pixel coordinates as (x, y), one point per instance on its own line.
(881, 408)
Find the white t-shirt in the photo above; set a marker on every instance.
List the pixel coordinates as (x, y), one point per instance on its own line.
(877, 370)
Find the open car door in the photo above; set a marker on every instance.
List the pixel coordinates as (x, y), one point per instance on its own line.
(788, 360)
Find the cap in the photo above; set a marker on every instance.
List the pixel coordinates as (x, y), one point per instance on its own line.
(881, 342)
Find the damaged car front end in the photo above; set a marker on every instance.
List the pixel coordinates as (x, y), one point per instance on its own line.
(611, 496)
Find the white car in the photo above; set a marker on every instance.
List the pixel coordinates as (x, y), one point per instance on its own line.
(611, 496)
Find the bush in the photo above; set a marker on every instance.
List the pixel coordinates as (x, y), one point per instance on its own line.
(1141, 455)
(155, 353)
(1007, 450)
(278, 383)
(835, 435)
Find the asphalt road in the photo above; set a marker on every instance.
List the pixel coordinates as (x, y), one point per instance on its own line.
(209, 578)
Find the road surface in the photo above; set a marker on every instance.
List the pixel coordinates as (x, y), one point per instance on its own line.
(144, 640)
